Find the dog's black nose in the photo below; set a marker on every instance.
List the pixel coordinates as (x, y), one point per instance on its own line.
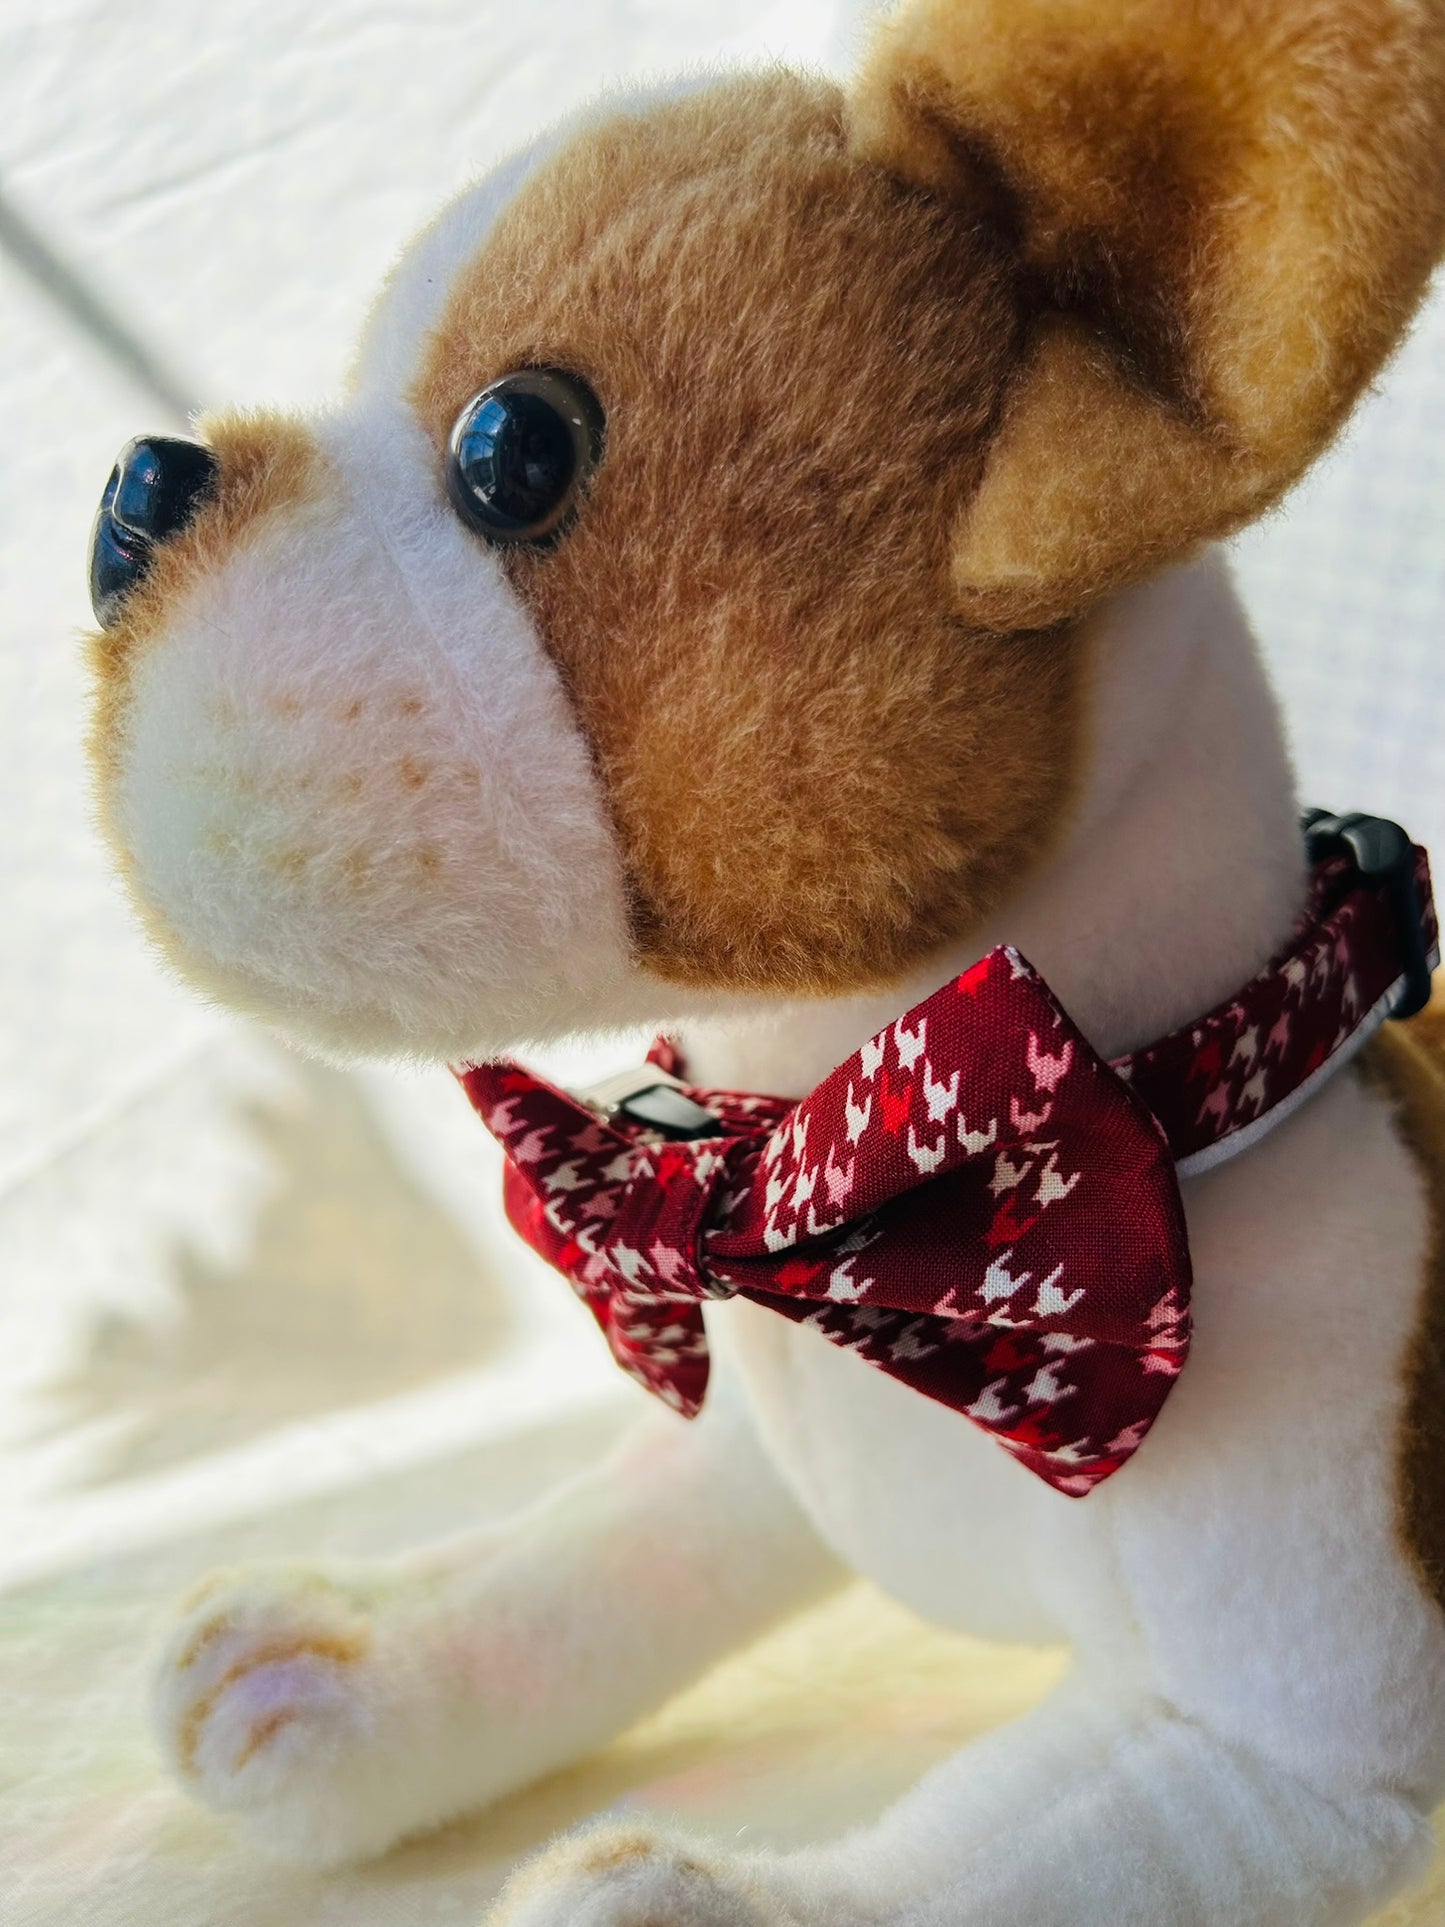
(154, 490)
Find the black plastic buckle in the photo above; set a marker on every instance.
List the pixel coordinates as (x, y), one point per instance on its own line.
(1381, 852)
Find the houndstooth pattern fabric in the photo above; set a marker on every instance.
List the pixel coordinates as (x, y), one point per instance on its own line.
(975, 1202)
(1211, 1080)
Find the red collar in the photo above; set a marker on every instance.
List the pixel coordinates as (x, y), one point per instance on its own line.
(975, 1202)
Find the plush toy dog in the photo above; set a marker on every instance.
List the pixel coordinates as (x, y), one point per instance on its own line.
(759, 571)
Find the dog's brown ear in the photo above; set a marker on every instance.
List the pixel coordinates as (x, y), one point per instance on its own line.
(1225, 213)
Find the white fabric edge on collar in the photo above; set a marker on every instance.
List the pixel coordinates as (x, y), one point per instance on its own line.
(1248, 1135)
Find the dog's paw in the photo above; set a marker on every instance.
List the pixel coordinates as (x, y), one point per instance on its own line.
(632, 1877)
(271, 1692)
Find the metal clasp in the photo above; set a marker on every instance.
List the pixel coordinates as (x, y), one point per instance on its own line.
(654, 1099)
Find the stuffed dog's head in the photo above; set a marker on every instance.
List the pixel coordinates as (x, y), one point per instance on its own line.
(686, 592)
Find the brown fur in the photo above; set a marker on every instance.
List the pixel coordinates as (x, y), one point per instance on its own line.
(612, 1851)
(221, 1625)
(624, 1850)
(816, 772)
(1229, 213)
(1407, 1061)
(263, 1732)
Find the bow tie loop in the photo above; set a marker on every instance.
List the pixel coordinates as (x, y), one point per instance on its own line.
(622, 1216)
(646, 1282)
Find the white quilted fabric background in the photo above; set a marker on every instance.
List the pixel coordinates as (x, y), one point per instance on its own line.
(1346, 584)
(248, 1303)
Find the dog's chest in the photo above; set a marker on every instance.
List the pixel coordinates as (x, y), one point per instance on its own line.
(910, 1494)
(1310, 1275)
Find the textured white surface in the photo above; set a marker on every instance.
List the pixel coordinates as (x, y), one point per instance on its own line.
(1346, 584)
(225, 1274)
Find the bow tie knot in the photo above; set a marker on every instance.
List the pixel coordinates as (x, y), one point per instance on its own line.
(671, 1196)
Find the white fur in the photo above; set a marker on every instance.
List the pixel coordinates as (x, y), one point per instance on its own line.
(489, 1661)
(1255, 1729)
(274, 824)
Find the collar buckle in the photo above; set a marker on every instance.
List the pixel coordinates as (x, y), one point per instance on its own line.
(654, 1100)
(1382, 853)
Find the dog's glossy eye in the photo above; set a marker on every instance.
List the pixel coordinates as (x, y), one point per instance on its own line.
(520, 452)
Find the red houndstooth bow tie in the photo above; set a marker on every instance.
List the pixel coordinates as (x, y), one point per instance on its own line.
(976, 1203)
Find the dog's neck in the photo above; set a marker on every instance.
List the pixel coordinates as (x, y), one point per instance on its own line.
(1182, 871)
